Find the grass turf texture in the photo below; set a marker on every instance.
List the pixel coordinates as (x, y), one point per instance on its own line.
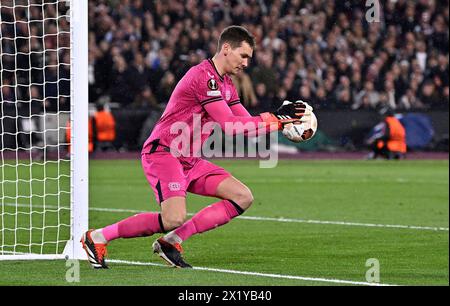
(381, 192)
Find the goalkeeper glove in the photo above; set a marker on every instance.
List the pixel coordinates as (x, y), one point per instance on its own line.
(302, 105)
(288, 112)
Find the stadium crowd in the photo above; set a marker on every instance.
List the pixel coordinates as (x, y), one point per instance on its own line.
(322, 51)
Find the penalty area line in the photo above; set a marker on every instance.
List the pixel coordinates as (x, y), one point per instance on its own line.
(257, 274)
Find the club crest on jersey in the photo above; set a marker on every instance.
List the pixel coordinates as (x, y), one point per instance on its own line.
(174, 186)
(228, 95)
(212, 84)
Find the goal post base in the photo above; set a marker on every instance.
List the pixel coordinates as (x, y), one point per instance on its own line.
(74, 250)
(69, 253)
(32, 257)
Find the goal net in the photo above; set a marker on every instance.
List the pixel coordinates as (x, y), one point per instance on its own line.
(43, 168)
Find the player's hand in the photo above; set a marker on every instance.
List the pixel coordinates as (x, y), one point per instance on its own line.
(303, 105)
(296, 111)
(288, 112)
(293, 132)
(293, 110)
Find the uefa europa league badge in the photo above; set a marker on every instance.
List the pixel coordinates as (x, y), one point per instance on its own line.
(212, 84)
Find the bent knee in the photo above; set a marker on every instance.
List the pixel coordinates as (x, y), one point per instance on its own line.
(244, 198)
(248, 198)
(173, 221)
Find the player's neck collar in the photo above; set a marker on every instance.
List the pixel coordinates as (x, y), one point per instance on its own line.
(214, 66)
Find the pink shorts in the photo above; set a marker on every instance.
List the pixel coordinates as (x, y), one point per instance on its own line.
(170, 176)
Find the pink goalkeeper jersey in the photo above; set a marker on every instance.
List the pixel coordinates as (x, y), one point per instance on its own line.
(200, 86)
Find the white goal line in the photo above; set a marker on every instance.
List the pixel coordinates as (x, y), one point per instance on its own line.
(257, 274)
(285, 220)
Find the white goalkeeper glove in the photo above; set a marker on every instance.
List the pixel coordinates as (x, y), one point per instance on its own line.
(293, 132)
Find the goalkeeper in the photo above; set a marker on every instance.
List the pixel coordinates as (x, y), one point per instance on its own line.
(206, 90)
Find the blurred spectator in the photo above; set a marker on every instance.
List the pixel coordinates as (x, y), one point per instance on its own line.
(305, 93)
(104, 129)
(91, 136)
(140, 73)
(264, 73)
(440, 72)
(263, 98)
(101, 64)
(167, 85)
(445, 96)
(146, 99)
(344, 99)
(244, 87)
(429, 96)
(421, 54)
(121, 88)
(51, 87)
(320, 100)
(8, 94)
(367, 98)
(388, 139)
(410, 101)
(389, 90)
(64, 83)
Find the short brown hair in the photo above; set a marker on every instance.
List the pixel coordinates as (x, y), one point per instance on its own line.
(235, 35)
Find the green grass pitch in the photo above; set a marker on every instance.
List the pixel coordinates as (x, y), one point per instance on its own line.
(360, 193)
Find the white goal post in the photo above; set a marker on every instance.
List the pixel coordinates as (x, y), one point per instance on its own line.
(43, 138)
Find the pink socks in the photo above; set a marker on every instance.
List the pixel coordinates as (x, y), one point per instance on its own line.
(139, 225)
(209, 218)
(147, 224)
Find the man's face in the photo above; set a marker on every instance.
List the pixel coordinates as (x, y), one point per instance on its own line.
(237, 58)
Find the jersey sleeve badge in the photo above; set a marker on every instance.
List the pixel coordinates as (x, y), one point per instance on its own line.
(212, 84)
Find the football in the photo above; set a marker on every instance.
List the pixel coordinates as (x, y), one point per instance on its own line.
(301, 131)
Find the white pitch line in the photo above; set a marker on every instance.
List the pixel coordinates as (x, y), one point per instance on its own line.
(312, 279)
(346, 223)
(286, 220)
(344, 181)
(293, 277)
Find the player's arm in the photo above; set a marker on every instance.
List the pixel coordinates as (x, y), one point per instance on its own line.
(235, 123)
(266, 122)
(206, 91)
(238, 109)
(288, 112)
